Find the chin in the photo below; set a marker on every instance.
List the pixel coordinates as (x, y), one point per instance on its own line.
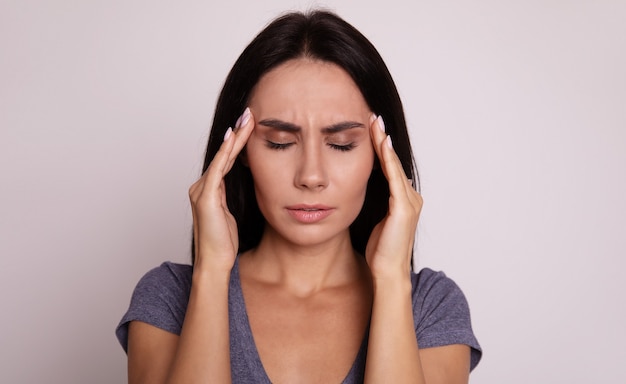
(311, 237)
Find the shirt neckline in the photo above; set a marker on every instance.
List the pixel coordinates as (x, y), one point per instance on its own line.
(252, 353)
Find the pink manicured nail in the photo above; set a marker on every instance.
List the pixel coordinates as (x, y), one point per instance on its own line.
(229, 131)
(372, 118)
(245, 117)
(381, 123)
(389, 144)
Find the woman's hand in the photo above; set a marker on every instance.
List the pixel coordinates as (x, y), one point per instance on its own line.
(214, 228)
(389, 248)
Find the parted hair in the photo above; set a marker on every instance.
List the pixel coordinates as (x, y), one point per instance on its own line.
(318, 35)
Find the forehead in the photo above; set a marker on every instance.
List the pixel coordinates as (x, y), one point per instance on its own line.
(306, 85)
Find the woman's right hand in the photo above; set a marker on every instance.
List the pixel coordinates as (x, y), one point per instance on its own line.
(214, 228)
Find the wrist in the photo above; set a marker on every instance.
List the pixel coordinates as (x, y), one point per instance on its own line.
(389, 271)
(204, 274)
(398, 282)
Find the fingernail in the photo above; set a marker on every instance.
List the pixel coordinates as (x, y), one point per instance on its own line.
(389, 144)
(372, 118)
(229, 131)
(238, 122)
(245, 117)
(381, 123)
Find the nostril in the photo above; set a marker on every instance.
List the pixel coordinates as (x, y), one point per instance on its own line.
(311, 169)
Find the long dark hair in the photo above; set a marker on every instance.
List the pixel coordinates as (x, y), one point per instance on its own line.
(323, 36)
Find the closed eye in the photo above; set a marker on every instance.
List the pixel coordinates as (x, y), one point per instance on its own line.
(278, 146)
(283, 146)
(342, 147)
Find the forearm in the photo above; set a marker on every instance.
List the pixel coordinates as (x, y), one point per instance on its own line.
(393, 355)
(203, 353)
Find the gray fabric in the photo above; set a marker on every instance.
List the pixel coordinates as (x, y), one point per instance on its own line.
(440, 311)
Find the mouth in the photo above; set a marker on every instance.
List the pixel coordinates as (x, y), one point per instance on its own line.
(309, 207)
(309, 213)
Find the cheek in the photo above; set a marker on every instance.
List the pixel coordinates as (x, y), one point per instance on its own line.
(266, 170)
(356, 173)
(366, 162)
(257, 167)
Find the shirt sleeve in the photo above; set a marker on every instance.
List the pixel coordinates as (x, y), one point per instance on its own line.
(159, 299)
(441, 313)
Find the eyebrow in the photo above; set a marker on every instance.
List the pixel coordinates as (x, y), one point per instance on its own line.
(293, 128)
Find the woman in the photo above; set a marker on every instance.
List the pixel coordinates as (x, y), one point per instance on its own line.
(304, 223)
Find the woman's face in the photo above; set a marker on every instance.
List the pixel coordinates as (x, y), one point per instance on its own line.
(310, 153)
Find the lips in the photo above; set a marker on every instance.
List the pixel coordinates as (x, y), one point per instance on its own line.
(309, 214)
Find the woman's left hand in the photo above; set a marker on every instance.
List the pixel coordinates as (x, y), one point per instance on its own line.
(389, 248)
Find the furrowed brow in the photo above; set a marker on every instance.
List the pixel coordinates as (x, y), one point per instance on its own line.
(290, 127)
(280, 125)
(344, 125)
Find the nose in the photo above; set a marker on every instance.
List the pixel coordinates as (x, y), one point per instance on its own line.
(311, 171)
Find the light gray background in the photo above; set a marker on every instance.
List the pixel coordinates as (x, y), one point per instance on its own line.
(517, 115)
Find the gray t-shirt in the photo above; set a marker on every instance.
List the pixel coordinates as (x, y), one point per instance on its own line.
(440, 312)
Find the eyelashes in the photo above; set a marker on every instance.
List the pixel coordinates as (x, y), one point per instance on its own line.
(278, 146)
(342, 148)
(283, 146)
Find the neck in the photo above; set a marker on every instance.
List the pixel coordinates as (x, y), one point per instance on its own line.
(304, 269)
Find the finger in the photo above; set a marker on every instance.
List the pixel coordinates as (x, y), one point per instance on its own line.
(243, 130)
(234, 141)
(389, 161)
(416, 201)
(224, 158)
(393, 168)
(196, 189)
(192, 197)
(223, 193)
(401, 188)
(412, 189)
(377, 134)
(216, 170)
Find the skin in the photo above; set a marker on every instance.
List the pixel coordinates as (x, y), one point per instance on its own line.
(309, 138)
(307, 293)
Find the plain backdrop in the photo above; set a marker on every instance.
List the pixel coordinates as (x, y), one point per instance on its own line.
(517, 112)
